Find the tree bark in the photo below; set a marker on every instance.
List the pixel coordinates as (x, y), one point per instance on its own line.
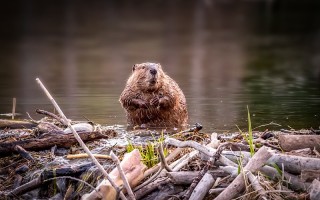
(293, 142)
(61, 140)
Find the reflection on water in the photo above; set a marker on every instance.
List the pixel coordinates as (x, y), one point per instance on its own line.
(224, 55)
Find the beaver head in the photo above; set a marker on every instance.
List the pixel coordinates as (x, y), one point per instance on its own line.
(146, 76)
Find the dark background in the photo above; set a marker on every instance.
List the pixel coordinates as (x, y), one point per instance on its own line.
(224, 54)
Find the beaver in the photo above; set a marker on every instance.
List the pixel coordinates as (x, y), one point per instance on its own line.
(151, 98)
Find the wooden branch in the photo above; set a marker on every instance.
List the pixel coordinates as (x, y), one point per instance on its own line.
(84, 155)
(293, 142)
(186, 177)
(171, 141)
(47, 174)
(233, 171)
(164, 163)
(169, 158)
(201, 148)
(295, 164)
(16, 124)
(256, 185)
(183, 177)
(67, 122)
(294, 182)
(184, 160)
(154, 176)
(133, 169)
(315, 190)
(203, 187)
(122, 175)
(23, 153)
(61, 140)
(49, 114)
(216, 191)
(237, 185)
(151, 187)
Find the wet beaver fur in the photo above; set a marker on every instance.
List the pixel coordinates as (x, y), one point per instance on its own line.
(151, 98)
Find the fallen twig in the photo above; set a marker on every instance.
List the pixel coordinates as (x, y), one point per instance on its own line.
(84, 155)
(67, 122)
(256, 185)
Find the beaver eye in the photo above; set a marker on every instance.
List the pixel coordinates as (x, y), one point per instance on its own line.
(143, 67)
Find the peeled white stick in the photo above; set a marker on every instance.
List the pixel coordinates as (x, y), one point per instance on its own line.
(83, 145)
(123, 176)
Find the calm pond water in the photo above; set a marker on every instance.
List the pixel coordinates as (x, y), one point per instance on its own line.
(225, 55)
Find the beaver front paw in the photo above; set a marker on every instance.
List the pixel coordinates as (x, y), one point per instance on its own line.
(138, 103)
(154, 101)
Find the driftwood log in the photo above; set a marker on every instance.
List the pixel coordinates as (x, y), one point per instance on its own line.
(295, 164)
(237, 185)
(61, 140)
(293, 142)
(14, 124)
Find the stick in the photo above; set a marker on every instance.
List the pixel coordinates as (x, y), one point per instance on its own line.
(193, 144)
(122, 175)
(256, 185)
(164, 163)
(201, 148)
(84, 155)
(203, 187)
(170, 157)
(43, 112)
(253, 165)
(66, 122)
(295, 164)
(14, 102)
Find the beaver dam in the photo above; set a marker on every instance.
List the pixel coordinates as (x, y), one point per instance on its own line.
(57, 158)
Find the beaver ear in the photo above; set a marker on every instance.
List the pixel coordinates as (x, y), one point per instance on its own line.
(134, 67)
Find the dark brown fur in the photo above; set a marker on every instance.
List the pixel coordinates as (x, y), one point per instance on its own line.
(153, 99)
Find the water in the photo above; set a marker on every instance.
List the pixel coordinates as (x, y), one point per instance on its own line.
(225, 55)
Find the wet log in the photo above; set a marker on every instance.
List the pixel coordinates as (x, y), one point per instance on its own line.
(203, 187)
(292, 163)
(49, 140)
(237, 185)
(293, 142)
(15, 124)
(295, 164)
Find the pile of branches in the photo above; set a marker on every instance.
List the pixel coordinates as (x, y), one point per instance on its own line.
(272, 165)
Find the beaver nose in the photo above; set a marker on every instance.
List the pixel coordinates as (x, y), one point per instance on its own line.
(153, 71)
